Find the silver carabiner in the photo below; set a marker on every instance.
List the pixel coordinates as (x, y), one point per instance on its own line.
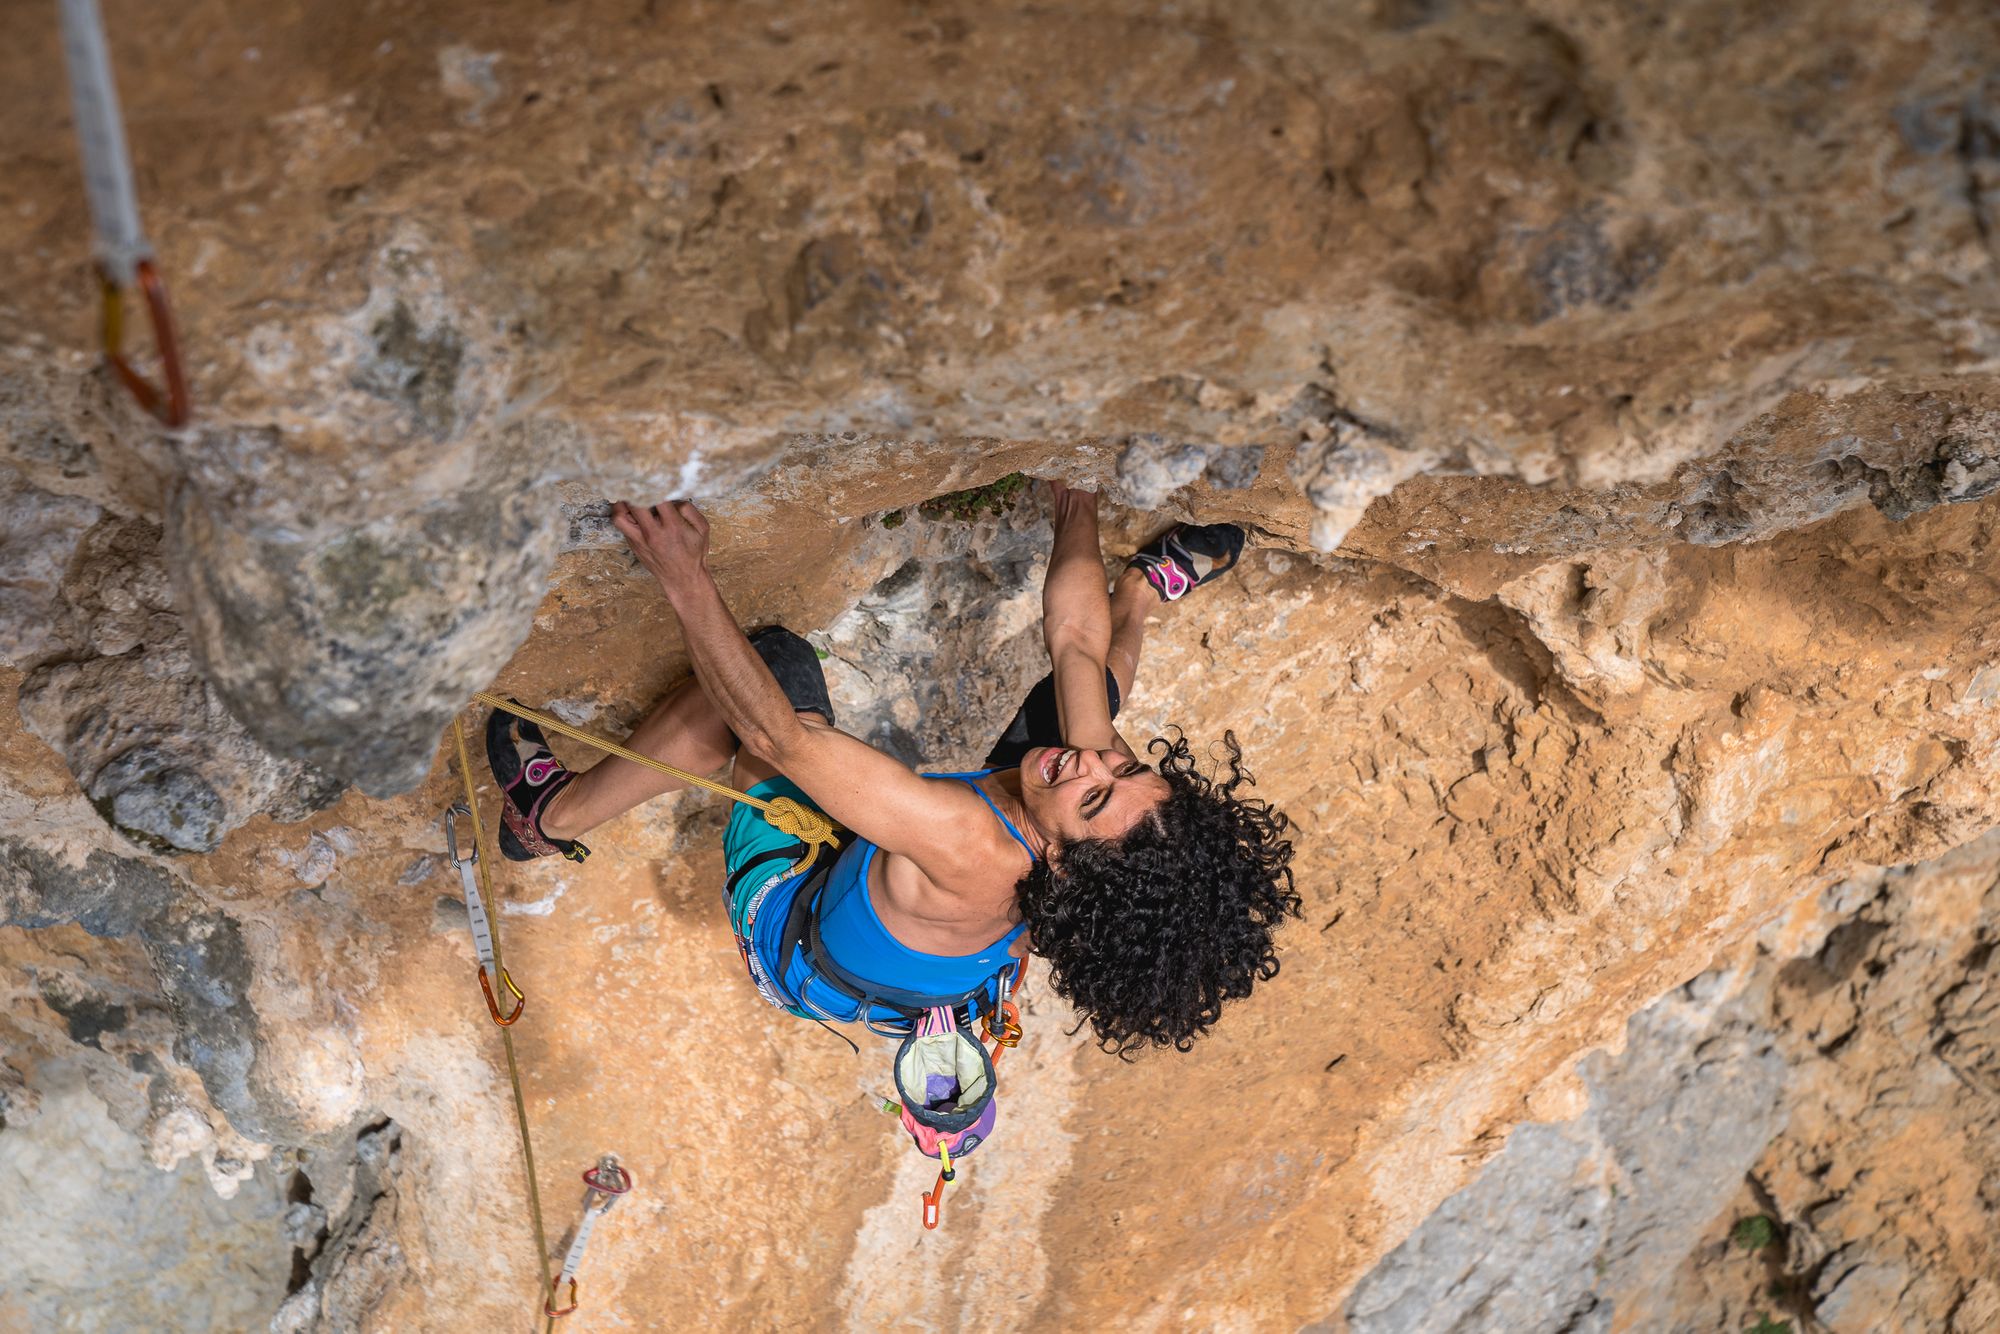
(450, 822)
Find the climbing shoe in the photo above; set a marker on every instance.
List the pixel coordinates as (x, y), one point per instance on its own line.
(529, 776)
(1187, 556)
(796, 665)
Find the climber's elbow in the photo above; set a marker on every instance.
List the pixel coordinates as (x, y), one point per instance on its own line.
(778, 744)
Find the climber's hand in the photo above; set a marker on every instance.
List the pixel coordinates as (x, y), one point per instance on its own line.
(1068, 506)
(670, 539)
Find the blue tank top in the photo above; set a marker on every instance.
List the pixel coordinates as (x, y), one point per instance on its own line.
(858, 943)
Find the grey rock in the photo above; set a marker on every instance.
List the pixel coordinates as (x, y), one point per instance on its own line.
(1570, 1217)
(117, 695)
(352, 650)
(305, 1224)
(358, 1258)
(932, 661)
(1576, 264)
(198, 956)
(118, 1244)
(316, 864)
(1235, 469)
(1514, 1252)
(418, 871)
(145, 793)
(39, 535)
(1150, 469)
(1851, 1298)
(157, 752)
(1344, 463)
(106, 895)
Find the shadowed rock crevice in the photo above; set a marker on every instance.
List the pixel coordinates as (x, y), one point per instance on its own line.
(198, 957)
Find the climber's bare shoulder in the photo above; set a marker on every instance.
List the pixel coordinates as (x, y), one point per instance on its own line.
(955, 857)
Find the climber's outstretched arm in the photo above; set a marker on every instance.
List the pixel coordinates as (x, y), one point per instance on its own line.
(879, 798)
(1076, 622)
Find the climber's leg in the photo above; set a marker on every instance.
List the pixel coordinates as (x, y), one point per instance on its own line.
(686, 731)
(1131, 601)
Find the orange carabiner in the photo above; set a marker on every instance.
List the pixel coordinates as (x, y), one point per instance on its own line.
(493, 1006)
(171, 407)
(1010, 1026)
(934, 1203)
(549, 1307)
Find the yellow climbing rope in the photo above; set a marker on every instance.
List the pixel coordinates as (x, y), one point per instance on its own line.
(506, 1033)
(787, 816)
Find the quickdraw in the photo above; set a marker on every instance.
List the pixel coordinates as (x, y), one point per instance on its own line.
(124, 256)
(606, 1182)
(475, 911)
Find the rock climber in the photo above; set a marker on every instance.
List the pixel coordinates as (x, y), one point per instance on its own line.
(1152, 890)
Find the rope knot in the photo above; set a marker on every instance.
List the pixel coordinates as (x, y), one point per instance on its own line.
(802, 822)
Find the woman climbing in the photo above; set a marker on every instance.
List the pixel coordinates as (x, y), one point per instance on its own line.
(1152, 890)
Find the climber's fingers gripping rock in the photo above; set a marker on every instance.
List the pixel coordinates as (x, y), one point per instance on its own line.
(670, 539)
(1069, 505)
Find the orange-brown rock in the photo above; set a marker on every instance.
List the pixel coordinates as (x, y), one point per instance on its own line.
(1612, 397)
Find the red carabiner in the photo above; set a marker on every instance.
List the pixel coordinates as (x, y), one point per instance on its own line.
(549, 1307)
(171, 407)
(594, 1178)
(493, 1006)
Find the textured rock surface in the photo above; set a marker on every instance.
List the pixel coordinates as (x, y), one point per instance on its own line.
(1678, 255)
(1834, 1077)
(1639, 361)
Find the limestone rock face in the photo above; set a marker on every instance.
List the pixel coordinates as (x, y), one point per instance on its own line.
(1832, 1077)
(644, 250)
(1612, 394)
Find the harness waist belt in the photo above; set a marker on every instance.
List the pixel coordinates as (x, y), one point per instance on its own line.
(802, 932)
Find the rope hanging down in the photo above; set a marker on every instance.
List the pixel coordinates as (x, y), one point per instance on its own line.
(124, 256)
(607, 1181)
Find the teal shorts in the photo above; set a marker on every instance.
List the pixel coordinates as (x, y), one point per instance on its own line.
(760, 901)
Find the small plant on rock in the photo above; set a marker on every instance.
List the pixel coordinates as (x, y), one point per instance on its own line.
(996, 497)
(1766, 1325)
(1755, 1233)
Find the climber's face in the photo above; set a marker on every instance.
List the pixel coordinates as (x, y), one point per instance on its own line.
(1075, 794)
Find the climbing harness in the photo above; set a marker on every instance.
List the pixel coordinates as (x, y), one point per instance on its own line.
(124, 256)
(606, 1182)
(475, 910)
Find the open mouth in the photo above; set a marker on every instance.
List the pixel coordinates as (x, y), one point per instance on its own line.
(1054, 763)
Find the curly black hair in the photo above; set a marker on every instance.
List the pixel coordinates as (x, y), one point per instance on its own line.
(1147, 935)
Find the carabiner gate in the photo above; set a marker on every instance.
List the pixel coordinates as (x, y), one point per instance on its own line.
(450, 822)
(608, 1178)
(170, 406)
(493, 1004)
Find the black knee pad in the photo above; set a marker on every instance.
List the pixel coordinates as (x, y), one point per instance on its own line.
(796, 665)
